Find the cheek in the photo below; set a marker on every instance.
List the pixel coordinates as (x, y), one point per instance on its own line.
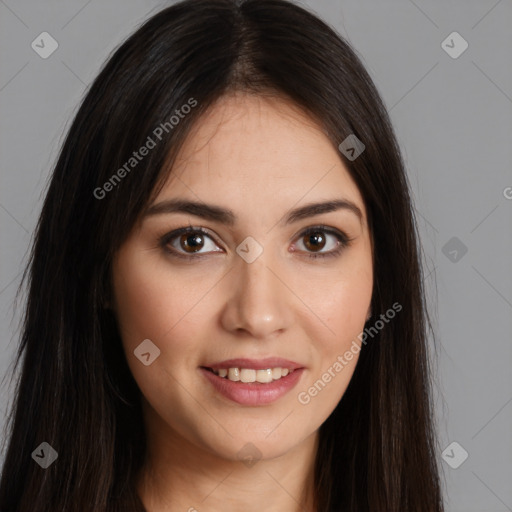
(346, 310)
(341, 303)
(148, 303)
(340, 307)
(172, 310)
(151, 305)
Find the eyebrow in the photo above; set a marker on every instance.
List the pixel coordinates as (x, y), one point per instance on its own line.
(226, 216)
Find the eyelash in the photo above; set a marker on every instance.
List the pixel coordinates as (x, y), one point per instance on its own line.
(342, 237)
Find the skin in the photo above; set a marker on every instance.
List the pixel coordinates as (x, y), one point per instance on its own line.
(245, 153)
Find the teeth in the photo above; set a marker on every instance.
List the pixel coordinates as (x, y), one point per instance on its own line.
(263, 375)
(250, 375)
(234, 374)
(277, 373)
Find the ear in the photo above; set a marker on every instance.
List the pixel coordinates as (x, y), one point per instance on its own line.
(369, 315)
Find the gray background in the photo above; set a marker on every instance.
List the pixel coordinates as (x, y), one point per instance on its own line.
(453, 119)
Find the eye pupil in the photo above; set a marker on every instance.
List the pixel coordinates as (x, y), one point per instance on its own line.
(191, 241)
(313, 239)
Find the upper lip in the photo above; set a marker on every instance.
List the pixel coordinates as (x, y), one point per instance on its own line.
(255, 364)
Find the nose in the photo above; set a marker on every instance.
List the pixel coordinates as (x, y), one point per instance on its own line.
(260, 303)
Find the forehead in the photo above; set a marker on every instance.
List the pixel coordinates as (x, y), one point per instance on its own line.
(255, 152)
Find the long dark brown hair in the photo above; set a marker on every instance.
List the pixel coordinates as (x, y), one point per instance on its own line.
(75, 391)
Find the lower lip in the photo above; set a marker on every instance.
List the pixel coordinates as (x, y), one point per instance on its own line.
(253, 393)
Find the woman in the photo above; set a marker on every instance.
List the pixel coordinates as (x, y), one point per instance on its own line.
(225, 304)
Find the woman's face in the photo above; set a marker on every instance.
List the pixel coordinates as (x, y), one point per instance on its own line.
(252, 286)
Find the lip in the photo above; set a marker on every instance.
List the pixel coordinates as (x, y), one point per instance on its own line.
(252, 393)
(255, 364)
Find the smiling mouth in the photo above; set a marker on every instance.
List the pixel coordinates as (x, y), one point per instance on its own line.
(249, 375)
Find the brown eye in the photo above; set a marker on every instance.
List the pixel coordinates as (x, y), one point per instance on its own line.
(318, 238)
(314, 241)
(191, 242)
